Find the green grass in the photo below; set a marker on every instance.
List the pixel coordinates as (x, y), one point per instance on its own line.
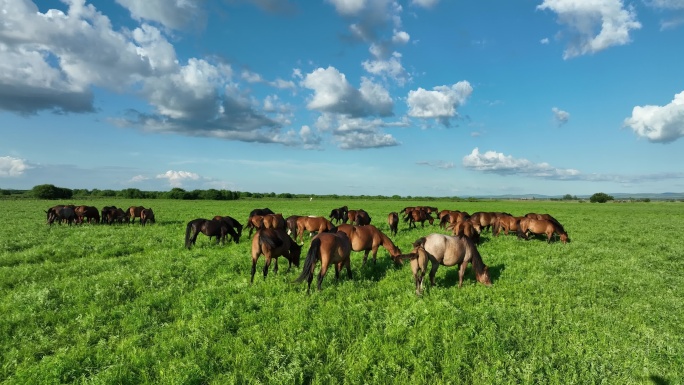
(128, 304)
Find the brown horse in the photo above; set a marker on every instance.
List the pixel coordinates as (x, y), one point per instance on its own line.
(208, 227)
(274, 243)
(445, 250)
(452, 218)
(541, 226)
(147, 215)
(339, 215)
(255, 222)
(312, 224)
(545, 216)
(393, 222)
(362, 218)
(274, 221)
(134, 212)
(507, 223)
(367, 239)
(231, 222)
(465, 229)
(87, 213)
(418, 215)
(329, 248)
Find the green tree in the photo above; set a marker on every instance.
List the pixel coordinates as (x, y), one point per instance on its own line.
(131, 193)
(48, 191)
(600, 198)
(176, 193)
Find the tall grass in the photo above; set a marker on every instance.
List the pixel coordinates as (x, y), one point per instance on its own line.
(128, 304)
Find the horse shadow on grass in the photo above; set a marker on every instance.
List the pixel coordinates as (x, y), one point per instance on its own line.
(450, 278)
(371, 271)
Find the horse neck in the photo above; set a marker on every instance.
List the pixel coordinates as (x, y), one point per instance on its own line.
(475, 258)
(388, 244)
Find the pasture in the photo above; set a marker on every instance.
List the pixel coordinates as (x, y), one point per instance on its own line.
(99, 304)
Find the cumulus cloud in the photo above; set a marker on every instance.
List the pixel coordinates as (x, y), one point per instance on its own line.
(12, 167)
(389, 68)
(582, 18)
(661, 124)
(561, 117)
(173, 14)
(440, 103)
(333, 93)
(498, 163)
(177, 178)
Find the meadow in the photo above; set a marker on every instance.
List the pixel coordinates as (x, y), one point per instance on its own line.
(126, 304)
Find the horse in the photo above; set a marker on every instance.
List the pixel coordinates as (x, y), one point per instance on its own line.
(89, 213)
(147, 215)
(312, 224)
(545, 216)
(106, 213)
(393, 222)
(465, 229)
(508, 223)
(367, 239)
(329, 248)
(62, 214)
(445, 250)
(274, 243)
(291, 225)
(53, 213)
(362, 218)
(339, 215)
(273, 221)
(255, 222)
(452, 218)
(134, 212)
(231, 222)
(418, 215)
(208, 227)
(541, 226)
(263, 211)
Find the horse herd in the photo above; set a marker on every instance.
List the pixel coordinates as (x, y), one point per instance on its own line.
(70, 214)
(333, 238)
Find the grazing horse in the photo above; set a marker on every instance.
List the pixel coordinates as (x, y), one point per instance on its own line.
(147, 215)
(208, 227)
(274, 221)
(312, 224)
(263, 211)
(274, 243)
(452, 218)
(134, 212)
(541, 226)
(545, 216)
(417, 215)
(61, 215)
(255, 222)
(362, 218)
(507, 223)
(393, 222)
(339, 215)
(231, 222)
(445, 250)
(367, 239)
(106, 213)
(53, 213)
(88, 213)
(465, 229)
(330, 248)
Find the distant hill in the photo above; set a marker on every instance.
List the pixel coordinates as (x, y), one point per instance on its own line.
(617, 196)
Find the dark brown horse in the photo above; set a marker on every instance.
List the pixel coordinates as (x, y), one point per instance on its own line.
(393, 222)
(312, 225)
(87, 213)
(274, 243)
(339, 215)
(291, 225)
(61, 214)
(418, 215)
(147, 215)
(368, 239)
(541, 226)
(231, 222)
(362, 218)
(208, 227)
(329, 248)
(445, 250)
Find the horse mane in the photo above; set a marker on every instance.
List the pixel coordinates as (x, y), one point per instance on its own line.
(476, 258)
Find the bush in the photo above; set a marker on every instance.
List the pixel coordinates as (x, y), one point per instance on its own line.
(48, 191)
(601, 198)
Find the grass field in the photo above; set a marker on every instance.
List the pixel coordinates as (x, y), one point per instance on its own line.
(128, 304)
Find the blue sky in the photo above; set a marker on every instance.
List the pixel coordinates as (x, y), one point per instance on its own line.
(373, 97)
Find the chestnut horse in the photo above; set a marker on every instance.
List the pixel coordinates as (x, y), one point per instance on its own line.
(541, 226)
(330, 248)
(418, 215)
(507, 223)
(134, 212)
(465, 229)
(231, 222)
(254, 222)
(452, 218)
(393, 222)
(208, 227)
(545, 216)
(445, 250)
(312, 224)
(274, 221)
(367, 239)
(274, 243)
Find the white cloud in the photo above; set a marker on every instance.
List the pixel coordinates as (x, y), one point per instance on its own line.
(662, 124)
(584, 17)
(177, 178)
(12, 167)
(173, 14)
(441, 103)
(333, 93)
(437, 164)
(425, 3)
(498, 163)
(348, 7)
(391, 68)
(400, 37)
(560, 116)
(138, 178)
(666, 4)
(544, 40)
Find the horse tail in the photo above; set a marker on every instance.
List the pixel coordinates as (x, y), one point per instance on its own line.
(420, 242)
(406, 218)
(310, 262)
(187, 235)
(272, 243)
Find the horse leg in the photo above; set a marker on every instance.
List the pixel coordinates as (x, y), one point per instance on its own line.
(461, 273)
(275, 265)
(348, 264)
(433, 273)
(321, 274)
(267, 264)
(337, 271)
(365, 257)
(254, 263)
